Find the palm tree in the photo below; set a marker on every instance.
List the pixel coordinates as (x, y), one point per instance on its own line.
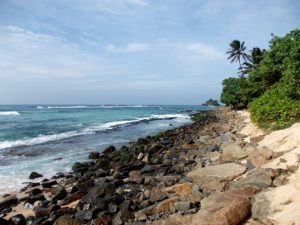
(237, 52)
(255, 58)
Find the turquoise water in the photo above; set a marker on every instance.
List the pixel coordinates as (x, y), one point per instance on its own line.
(49, 138)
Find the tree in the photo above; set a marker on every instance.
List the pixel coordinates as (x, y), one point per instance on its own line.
(256, 56)
(279, 76)
(233, 92)
(237, 52)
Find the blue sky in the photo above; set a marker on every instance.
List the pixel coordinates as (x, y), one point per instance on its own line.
(128, 51)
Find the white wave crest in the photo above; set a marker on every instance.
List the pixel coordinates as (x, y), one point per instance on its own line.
(67, 107)
(123, 106)
(90, 130)
(9, 113)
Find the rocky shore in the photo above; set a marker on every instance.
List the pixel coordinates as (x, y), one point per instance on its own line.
(212, 172)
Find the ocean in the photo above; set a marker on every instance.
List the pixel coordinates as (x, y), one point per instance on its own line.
(50, 138)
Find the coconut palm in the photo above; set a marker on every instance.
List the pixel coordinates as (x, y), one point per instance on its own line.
(237, 52)
(254, 59)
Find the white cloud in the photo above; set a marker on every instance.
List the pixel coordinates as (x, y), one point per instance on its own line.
(129, 48)
(204, 49)
(30, 54)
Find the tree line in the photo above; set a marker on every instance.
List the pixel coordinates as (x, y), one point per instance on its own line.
(268, 81)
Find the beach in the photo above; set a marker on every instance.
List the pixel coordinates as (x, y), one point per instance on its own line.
(218, 170)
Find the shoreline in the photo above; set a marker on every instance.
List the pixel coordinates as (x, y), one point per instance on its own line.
(170, 178)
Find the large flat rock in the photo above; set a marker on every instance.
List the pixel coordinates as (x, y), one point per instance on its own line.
(222, 208)
(215, 178)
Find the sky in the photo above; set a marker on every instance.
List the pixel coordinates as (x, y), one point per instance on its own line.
(129, 51)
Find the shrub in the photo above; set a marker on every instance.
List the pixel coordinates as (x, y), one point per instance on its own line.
(275, 109)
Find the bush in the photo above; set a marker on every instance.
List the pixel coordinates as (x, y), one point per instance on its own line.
(276, 109)
(235, 92)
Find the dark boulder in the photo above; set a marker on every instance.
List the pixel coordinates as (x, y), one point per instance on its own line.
(94, 155)
(4, 221)
(80, 167)
(59, 193)
(41, 212)
(123, 215)
(109, 150)
(34, 175)
(49, 184)
(18, 219)
(8, 202)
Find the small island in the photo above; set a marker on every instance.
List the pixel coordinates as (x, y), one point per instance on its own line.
(211, 102)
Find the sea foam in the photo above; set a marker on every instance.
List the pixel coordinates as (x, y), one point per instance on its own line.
(89, 130)
(9, 113)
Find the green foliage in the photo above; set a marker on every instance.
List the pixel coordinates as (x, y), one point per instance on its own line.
(197, 117)
(272, 84)
(234, 92)
(275, 108)
(237, 52)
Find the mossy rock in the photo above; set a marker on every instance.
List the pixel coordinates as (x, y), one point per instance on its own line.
(80, 167)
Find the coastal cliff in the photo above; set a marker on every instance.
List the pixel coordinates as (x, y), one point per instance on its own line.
(220, 170)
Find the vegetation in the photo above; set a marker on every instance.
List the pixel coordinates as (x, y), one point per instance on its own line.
(269, 81)
(211, 102)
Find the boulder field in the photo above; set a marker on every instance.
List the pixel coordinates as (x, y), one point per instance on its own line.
(220, 170)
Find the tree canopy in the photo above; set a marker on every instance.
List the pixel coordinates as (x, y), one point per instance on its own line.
(271, 86)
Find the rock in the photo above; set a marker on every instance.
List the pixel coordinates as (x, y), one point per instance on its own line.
(226, 137)
(232, 151)
(123, 215)
(18, 219)
(72, 198)
(79, 167)
(101, 172)
(182, 206)
(94, 155)
(261, 206)
(102, 219)
(155, 148)
(49, 184)
(53, 208)
(145, 158)
(214, 178)
(99, 189)
(59, 193)
(221, 208)
(187, 191)
(211, 148)
(8, 202)
(109, 150)
(34, 175)
(157, 195)
(34, 198)
(147, 169)
(190, 146)
(260, 156)
(280, 180)
(165, 206)
(66, 220)
(84, 186)
(257, 138)
(35, 191)
(132, 166)
(41, 212)
(230, 207)
(260, 178)
(112, 208)
(140, 156)
(135, 176)
(4, 221)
